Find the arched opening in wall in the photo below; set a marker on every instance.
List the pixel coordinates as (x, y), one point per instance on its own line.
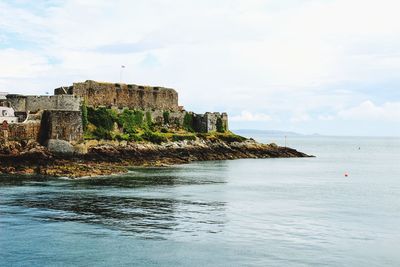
(115, 101)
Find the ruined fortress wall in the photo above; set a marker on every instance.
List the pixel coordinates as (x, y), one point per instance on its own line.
(211, 120)
(63, 102)
(36, 103)
(224, 117)
(175, 117)
(202, 123)
(123, 95)
(21, 131)
(207, 122)
(18, 102)
(61, 124)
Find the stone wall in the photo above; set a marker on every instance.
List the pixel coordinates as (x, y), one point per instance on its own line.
(21, 131)
(123, 95)
(175, 117)
(18, 102)
(207, 122)
(61, 124)
(202, 123)
(36, 103)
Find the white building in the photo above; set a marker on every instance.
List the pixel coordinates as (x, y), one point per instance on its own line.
(7, 114)
(3, 95)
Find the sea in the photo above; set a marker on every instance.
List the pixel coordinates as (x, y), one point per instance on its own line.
(248, 212)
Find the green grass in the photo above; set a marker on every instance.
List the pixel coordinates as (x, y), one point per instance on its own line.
(137, 126)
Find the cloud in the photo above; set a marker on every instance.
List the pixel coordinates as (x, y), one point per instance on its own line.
(21, 64)
(367, 110)
(292, 57)
(127, 48)
(326, 117)
(300, 117)
(248, 116)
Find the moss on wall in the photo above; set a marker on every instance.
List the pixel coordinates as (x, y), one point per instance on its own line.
(188, 122)
(84, 110)
(220, 126)
(137, 125)
(166, 117)
(102, 118)
(130, 120)
(149, 121)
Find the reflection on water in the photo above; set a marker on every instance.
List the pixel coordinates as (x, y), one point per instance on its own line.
(113, 203)
(152, 217)
(267, 212)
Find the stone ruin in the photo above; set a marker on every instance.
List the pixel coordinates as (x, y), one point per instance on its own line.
(59, 116)
(121, 95)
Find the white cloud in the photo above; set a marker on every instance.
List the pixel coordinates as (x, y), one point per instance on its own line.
(21, 64)
(249, 116)
(367, 110)
(300, 117)
(326, 117)
(290, 56)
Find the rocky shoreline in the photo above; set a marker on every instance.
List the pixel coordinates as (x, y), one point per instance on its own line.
(95, 158)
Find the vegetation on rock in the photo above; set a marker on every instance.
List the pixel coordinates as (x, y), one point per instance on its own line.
(154, 137)
(137, 126)
(188, 122)
(181, 137)
(130, 120)
(227, 136)
(220, 126)
(102, 118)
(166, 117)
(85, 121)
(149, 122)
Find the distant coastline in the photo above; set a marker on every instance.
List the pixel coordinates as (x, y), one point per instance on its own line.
(248, 132)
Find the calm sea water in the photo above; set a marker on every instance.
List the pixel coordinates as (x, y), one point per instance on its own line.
(264, 212)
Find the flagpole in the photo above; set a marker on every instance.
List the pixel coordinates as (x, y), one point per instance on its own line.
(120, 73)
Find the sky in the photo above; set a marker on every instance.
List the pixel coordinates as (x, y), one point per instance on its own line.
(311, 66)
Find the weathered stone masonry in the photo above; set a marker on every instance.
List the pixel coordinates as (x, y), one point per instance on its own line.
(59, 116)
(207, 122)
(21, 131)
(61, 124)
(123, 95)
(34, 104)
(148, 98)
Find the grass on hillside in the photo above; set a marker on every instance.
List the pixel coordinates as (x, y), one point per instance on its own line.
(137, 126)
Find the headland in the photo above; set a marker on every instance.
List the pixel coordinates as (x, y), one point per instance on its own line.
(96, 128)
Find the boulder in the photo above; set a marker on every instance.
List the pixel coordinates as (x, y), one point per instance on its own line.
(57, 146)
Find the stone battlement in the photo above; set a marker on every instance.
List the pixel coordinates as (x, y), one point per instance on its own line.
(33, 103)
(61, 124)
(208, 121)
(60, 116)
(122, 95)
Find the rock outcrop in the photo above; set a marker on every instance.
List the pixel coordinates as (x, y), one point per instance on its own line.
(104, 158)
(58, 146)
